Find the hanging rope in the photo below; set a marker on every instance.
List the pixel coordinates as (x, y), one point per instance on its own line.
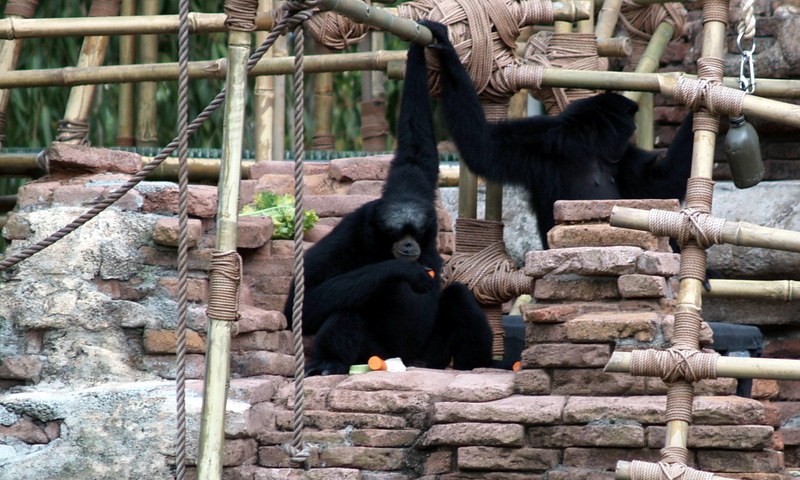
(102, 203)
(297, 449)
(183, 236)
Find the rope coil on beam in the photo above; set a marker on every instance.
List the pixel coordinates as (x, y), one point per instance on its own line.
(664, 471)
(688, 224)
(224, 279)
(674, 364)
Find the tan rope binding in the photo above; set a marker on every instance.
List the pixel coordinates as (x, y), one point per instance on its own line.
(673, 364)
(664, 471)
(641, 22)
(223, 283)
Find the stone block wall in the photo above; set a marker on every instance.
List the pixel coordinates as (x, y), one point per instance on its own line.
(87, 349)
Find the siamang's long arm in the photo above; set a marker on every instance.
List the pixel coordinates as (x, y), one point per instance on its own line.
(416, 145)
(353, 289)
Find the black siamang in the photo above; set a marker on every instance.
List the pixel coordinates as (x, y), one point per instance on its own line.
(373, 284)
(584, 153)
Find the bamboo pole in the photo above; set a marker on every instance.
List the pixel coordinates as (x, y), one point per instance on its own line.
(734, 233)
(127, 24)
(651, 58)
(607, 19)
(280, 50)
(263, 98)
(9, 58)
(323, 108)
(759, 106)
(93, 52)
(147, 114)
(645, 136)
(727, 367)
(785, 290)
(126, 129)
(212, 428)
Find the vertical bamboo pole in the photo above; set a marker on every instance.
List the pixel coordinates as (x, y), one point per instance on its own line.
(645, 135)
(323, 107)
(690, 294)
(147, 115)
(127, 109)
(651, 58)
(280, 49)
(9, 57)
(264, 99)
(212, 428)
(373, 101)
(79, 104)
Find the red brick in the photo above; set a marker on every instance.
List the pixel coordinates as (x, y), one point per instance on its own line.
(38, 193)
(335, 205)
(202, 201)
(606, 458)
(364, 458)
(735, 437)
(16, 227)
(278, 342)
(326, 420)
(572, 287)
(253, 232)
(276, 457)
(250, 364)
(26, 431)
(561, 355)
(582, 261)
(166, 232)
(165, 341)
(612, 326)
(529, 410)
(252, 319)
(546, 333)
(484, 434)
(596, 235)
(286, 168)
(372, 188)
(66, 156)
(196, 288)
(484, 387)
(581, 211)
(722, 461)
(379, 402)
(642, 286)
(75, 195)
(360, 168)
(659, 263)
(23, 367)
(630, 436)
(593, 381)
(438, 462)
(532, 382)
(519, 459)
(384, 438)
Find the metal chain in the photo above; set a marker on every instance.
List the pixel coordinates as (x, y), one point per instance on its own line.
(747, 32)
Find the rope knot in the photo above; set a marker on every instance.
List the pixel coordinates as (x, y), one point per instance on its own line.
(296, 455)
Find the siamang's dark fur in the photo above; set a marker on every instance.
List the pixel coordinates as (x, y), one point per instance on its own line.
(368, 287)
(582, 154)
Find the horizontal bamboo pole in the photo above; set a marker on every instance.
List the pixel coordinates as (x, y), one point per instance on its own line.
(387, 20)
(70, 76)
(13, 28)
(380, 60)
(785, 290)
(735, 233)
(623, 472)
(729, 367)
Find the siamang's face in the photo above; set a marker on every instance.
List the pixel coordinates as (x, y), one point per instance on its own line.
(404, 224)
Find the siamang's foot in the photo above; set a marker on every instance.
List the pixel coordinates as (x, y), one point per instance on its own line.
(439, 33)
(326, 367)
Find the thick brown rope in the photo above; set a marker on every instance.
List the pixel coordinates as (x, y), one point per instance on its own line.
(21, 8)
(241, 15)
(665, 471)
(224, 279)
(69, 130)
(686, 225)
(104, 8)
(674, 364)
(641, 22)
(575, 51)
(484, 36)
(297, 449)
(335, 31)
(183, 237)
